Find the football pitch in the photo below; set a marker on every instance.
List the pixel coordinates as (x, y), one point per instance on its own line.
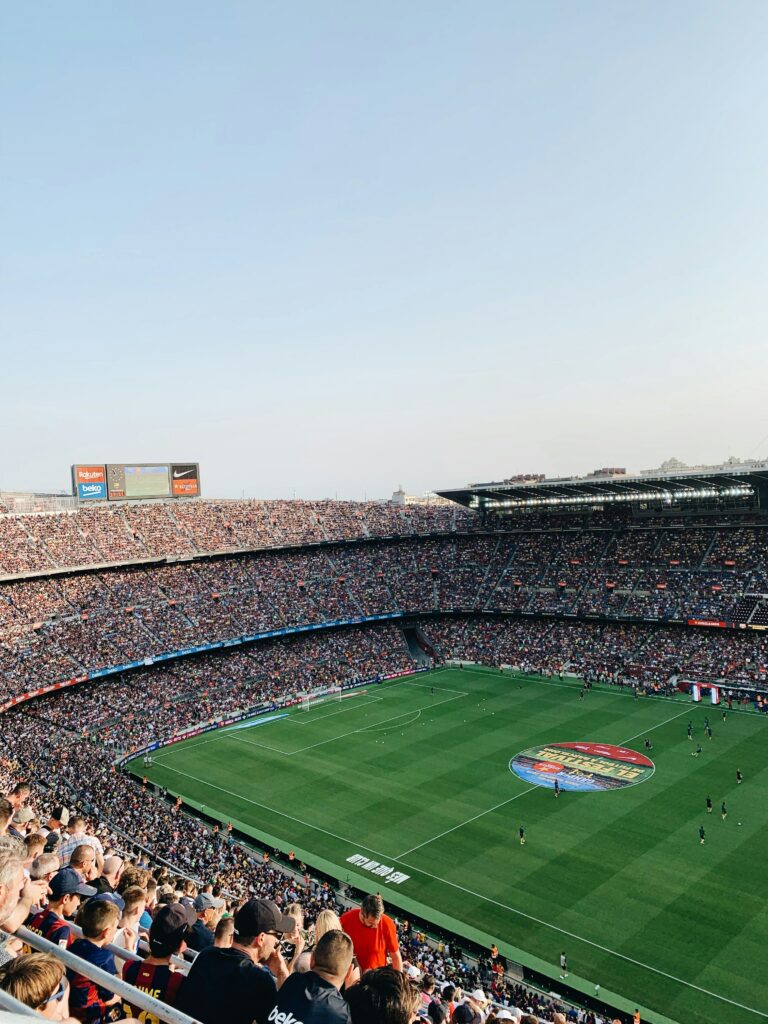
(407, 788)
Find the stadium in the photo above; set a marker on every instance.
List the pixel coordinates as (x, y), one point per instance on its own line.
(529, 714)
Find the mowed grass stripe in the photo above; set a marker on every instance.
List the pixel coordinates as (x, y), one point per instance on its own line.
(601, 866)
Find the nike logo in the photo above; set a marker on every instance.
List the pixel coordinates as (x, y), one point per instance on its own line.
(187, 472)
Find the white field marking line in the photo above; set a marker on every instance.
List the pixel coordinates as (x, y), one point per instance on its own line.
(377, 728)
(365, 728)
(301, 719)
(467, 822)
(588, 942)
(470, 892)
(518, 795)
(254, 743)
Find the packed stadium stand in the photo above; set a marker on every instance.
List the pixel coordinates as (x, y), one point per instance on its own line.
(114, 621)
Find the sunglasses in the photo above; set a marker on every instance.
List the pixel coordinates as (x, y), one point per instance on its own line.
(59, 993)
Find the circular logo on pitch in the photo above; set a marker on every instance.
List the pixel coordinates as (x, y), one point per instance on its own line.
(582, 767)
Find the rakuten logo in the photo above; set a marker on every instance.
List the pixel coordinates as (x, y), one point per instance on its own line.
(283, 1018)
(90, 473)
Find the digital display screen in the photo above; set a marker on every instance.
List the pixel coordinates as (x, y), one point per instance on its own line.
(147, 482)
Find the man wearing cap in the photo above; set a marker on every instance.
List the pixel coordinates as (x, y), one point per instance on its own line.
(373, 934)
(58, 820)
(208, 909)
(313, 997)
(156, 975)
(67, 891)
(19, 825)
(231, 984)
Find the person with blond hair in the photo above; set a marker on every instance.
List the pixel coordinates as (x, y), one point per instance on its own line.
(327, 921)
(37, 980)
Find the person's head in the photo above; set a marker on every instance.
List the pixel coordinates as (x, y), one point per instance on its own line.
(208, 908)
(67, 891)
(133, 876)
(225, 931)
(99, 918)
(59, 818)
(383, 996)
(6, 813)
(447, 993)
(332, 957)
(83, 860)
(45, 866)
(371, 910)
(169, 930)
(327, 920)
(259, 927)
(77, 825)
(296, 911)
(135, 900)
(34, 844)
(37, 980)
(112, 870)
(19, 795)
(11, 875)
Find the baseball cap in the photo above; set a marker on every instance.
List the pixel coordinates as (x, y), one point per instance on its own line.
(257, 916)
(112, 897)
(504, 1015)
(463, 1014)
(171, 924)
(413, 972)
(23, 815)
(479, 996)
(67, 881)
(60, 814)
(207, 902)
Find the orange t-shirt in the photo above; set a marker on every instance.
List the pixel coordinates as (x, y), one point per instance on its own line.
(371, 944)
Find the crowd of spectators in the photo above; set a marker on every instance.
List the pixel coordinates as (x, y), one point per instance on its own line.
(60, 627)
(126, 532)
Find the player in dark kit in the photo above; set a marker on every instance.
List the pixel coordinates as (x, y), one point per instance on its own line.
(702, 834)
(739, 777)
(521, 832)
(690, 730)
(557, 789)
(723, 811)
(709, 805)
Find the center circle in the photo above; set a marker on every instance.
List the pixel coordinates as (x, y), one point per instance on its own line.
(582, 767)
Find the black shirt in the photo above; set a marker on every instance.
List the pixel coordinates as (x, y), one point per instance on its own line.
(225, 985)
(200, 936)
(309, 999)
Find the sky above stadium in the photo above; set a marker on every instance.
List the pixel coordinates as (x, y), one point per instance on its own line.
(326, 249)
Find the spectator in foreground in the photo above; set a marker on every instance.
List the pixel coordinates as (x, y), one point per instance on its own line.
(313, 997)
(384, 996)
(37, 980)
(91, 1003)
(208, 908)
(231, 984)
(67, 890)
(373, 934)
(167, 938)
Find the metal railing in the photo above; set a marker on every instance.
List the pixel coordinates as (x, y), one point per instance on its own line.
(139, 1000)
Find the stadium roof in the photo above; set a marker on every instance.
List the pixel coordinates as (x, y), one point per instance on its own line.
(731, 483)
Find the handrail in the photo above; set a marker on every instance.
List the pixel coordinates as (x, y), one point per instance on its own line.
(132, 995)
(128, 954)
(7, 1002)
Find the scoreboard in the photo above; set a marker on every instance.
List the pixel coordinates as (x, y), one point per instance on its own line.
(119, 481)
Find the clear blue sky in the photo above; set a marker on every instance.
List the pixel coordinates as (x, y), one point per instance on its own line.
(331, 248)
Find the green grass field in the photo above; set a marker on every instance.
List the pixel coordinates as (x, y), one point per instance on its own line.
(420, 783)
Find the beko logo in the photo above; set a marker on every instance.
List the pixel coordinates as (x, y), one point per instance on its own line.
(91, 488)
